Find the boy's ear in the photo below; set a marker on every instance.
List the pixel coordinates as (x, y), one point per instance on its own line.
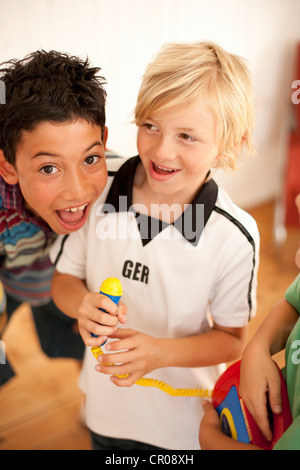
(7, 171)
(219, 157)
(104, 138)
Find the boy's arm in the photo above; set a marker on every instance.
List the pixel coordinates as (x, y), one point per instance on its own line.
(142, 353)
(71, 295)
(68, 293)
(2, 307)
(217, 345)
(259, 374)
(3, 319)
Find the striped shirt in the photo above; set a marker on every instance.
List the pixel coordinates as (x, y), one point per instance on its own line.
(25, 241)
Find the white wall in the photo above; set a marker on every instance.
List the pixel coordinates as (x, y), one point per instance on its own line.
(121, 36)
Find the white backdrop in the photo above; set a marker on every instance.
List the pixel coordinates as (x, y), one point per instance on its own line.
(121, 36)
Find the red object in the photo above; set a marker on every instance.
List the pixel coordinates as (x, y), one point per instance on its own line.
(292, 181)
(237, 422)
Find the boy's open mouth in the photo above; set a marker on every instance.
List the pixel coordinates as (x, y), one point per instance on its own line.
(162, 170)
(73, 215)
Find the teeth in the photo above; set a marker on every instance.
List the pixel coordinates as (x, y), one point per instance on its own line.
(75, 209)
(162, 168)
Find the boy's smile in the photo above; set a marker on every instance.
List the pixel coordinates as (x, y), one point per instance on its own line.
(161, 173)
(61, 171)
(177, 147)
(72, 215)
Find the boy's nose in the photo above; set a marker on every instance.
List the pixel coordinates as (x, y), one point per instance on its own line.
(75, 187)
(164, 150)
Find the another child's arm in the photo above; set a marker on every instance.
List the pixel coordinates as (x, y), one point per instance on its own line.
(72, 296)
(211, 436)
(138, 354)
(259, 373)
(2, 307)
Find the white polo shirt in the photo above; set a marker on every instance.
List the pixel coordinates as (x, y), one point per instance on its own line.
(176, 279)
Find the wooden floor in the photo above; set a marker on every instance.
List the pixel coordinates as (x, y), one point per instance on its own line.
(40, 409)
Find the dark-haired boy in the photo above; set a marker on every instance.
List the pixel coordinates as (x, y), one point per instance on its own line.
(52, 167)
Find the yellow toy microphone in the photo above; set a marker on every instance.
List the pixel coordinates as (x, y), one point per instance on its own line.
(113, 289)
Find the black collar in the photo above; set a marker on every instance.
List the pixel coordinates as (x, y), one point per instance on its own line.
(191, 222)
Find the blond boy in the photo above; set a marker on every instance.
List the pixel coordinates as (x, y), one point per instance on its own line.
(186, 255)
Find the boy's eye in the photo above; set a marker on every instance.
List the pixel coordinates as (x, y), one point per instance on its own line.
(48, 170)
(150, 127)
(92, 159)
(187, 137)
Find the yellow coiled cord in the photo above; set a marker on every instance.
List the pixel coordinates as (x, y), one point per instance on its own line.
(175, 392)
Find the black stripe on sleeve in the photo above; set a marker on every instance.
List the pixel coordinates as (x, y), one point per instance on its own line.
(251, 241)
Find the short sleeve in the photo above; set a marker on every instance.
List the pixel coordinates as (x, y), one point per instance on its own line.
(290, 440)
(292, 294)
(233, 301)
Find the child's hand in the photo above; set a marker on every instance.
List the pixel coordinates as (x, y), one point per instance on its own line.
(122, 310)
(93, 320)
(210, 426)
(260, 382)
(135, 353)
(211, 436)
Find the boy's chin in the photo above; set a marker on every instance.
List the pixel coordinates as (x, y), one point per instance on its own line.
(57, 228)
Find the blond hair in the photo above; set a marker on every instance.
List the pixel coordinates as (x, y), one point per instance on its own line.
(182, 73)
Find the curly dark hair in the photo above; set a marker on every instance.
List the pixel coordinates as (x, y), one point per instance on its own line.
(47, 86)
